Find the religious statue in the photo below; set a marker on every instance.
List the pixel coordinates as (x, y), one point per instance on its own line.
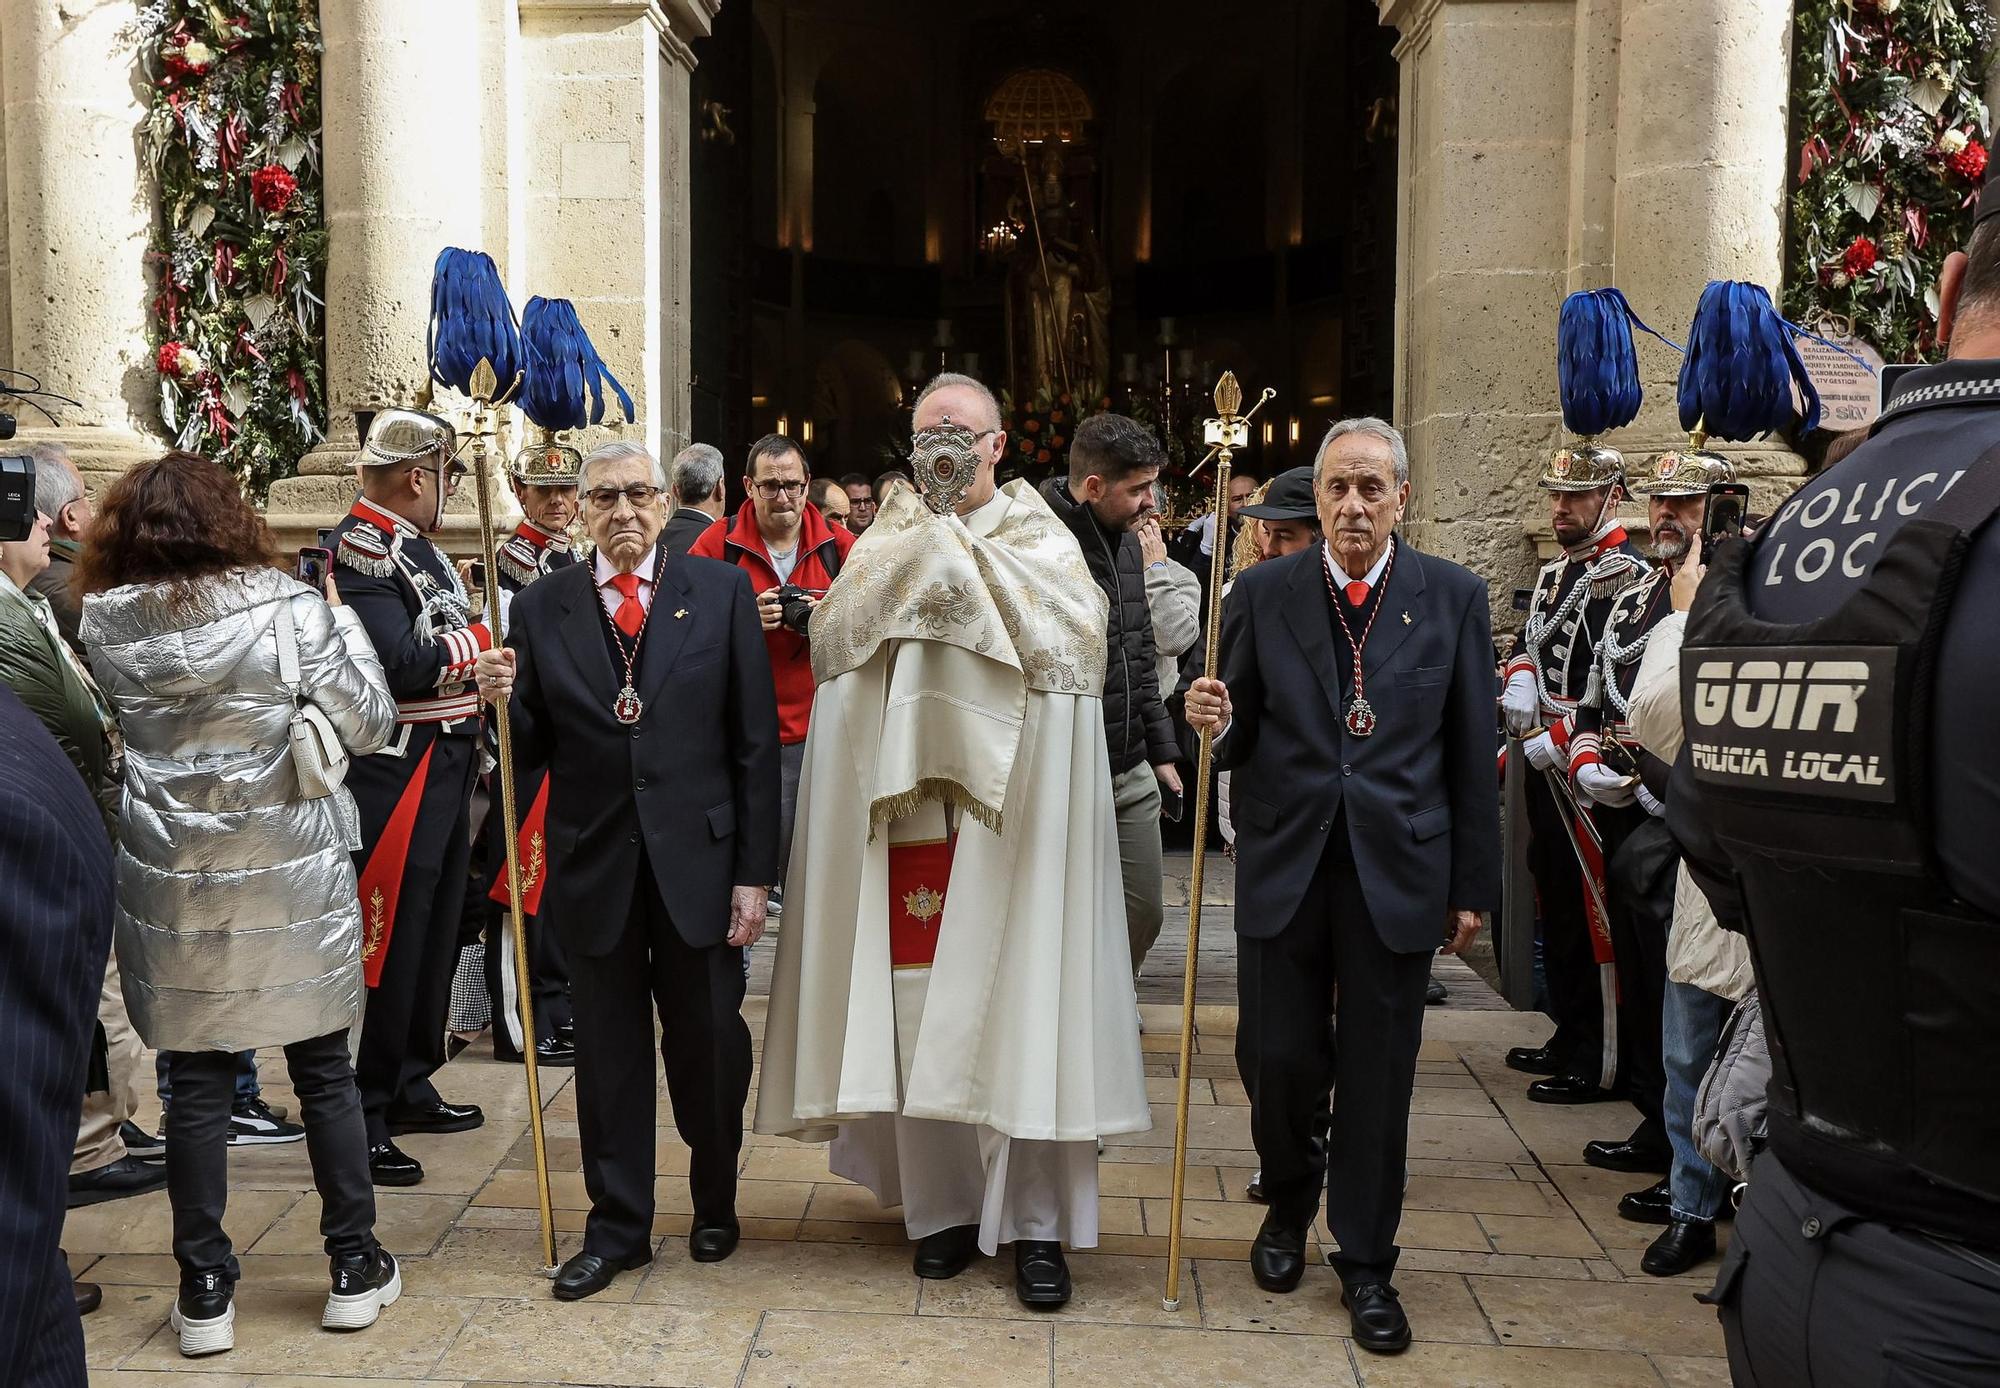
(1058, 291)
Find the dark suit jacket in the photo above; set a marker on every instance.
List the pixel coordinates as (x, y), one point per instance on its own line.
(695, 780)
(683, 528)
(1421, 808)
(55, 933)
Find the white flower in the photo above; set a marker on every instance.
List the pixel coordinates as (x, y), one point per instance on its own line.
(1840, 280)
(1888, 6)
(1952, 141)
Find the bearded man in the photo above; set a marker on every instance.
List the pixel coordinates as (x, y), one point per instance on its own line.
(953, 995)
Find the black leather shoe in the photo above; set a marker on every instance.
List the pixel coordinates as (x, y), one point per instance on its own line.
(1041, 1275)
(1376, 1317)
(89, 1296)
(1434, 993)
(390, 1165)
(1255, 1189)
(947, 1253)
(1534, 1060)
(587, 1274)
(1629, 1156)
(711, 1243)
(126, 1176)
(439, 1117)
(1653, 1205)
(1683, 1244)
(1278, 1257)
(555, 1051)
(1568, 1089)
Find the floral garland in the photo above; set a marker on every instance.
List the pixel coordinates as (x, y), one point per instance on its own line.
(240, 244)
(1891, 129)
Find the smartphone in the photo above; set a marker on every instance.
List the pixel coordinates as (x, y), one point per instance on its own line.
(326, 538)
(1722, 518)
(1523, 598)
(478, 573)
(1171, 805)
(314, 561)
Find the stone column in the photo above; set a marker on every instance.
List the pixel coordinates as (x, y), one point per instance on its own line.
(403, 152)
(687, 20)
(1702, 178)
(78, 215)
(1482, 259)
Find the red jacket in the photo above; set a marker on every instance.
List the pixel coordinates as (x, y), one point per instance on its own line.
(822, 549)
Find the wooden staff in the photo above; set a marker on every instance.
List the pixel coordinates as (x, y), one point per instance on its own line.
(1226, 433)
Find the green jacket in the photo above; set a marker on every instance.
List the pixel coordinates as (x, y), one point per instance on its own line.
(35, 669)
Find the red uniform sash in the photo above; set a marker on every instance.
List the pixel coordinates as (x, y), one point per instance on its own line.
(531, 852)
(919, 874)
(382, 879)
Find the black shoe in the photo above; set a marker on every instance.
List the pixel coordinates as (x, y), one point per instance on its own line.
(363, 1283)
(204, 1315)
(1681, 1245)
(1434, 993)
(567, 1032)
(1255, 1189)
(1278, 1257)
(1534, 1060)
(554, 1051)
(587, 1274)
(712, 1242)
(1629, 1156)
(390, 1165)
(140, 1143)
(1653, 1205)
(1041, 1276)
(1376, 1317)
(439, 1117)
(253, 1123)
(947, 1253)
(1569, 1089)
(89, 1296)
(126, 1176)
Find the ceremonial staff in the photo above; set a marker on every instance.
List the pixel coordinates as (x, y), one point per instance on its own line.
(1224, 435)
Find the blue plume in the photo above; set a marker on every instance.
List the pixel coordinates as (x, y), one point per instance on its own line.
(1741, 366)
(1597, 368)
(471, 318)
(562, 367)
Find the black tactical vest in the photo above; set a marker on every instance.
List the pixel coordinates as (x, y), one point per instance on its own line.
(1881, 991)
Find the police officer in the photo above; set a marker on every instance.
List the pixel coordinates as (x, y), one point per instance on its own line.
(1608, 768)
(544, 480)
(1839, 800)
(1545, 680)
(415, 795)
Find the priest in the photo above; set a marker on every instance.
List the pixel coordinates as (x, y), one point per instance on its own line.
(952, 1002)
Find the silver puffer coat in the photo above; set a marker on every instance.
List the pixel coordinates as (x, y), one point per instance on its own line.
(237, 921)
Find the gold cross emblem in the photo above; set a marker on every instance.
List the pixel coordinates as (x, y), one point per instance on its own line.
(682, 612)
(1406, 619)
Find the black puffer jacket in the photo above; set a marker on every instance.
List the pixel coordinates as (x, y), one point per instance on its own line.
(1136, 727)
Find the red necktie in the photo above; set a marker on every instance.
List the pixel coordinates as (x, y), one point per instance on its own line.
(1357, 593)
(631, 615)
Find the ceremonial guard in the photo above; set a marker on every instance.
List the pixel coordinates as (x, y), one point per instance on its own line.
(414, 796)
(544, 478)
(1546, 680)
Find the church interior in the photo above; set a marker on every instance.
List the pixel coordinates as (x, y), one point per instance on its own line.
(1086, 205)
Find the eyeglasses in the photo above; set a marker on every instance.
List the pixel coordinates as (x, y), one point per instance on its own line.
(606, 498)
(769, 490)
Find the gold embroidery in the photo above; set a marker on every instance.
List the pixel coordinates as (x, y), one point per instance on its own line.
(378, 926)
(923, 904)
(533, 868)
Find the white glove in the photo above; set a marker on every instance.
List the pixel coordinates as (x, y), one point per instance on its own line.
(1541, 752)
(1604, 786)
(1650, 802)
(1521, 702)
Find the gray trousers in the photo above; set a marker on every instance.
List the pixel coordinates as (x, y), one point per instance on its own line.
(791, 761)
(1136, 793)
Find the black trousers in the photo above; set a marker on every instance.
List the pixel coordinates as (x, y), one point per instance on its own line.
(198, 1151)
(1640, 894)
(402, 1030)
(1813, 1296)
(548, 971)
(1289, 1057)
(698, 995)
(1579, 997)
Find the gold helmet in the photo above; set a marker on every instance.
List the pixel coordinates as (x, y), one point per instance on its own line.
(397, 435)
(1583, 466)
(546, 464)
(1688, 471)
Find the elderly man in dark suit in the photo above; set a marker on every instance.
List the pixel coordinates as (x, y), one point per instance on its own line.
(1355, 713)
(642, 682)
(55, 931)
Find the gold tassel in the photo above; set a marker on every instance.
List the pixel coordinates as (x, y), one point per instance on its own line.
(945, 791)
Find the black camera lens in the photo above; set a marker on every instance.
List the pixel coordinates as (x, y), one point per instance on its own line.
(6, 425)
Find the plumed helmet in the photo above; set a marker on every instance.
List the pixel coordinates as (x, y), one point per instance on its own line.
(1688, 471)
(398, 435)
(548, 464)
(1583, 466)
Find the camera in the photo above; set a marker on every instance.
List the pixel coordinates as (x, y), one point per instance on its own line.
(7, 426)
(795, 606)
(17, 497)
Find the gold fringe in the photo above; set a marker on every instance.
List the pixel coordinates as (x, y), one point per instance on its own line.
(942, 789)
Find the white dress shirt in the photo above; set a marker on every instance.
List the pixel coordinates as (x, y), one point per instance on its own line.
(610, 596)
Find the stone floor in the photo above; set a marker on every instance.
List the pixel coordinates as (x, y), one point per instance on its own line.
(1515, 1269)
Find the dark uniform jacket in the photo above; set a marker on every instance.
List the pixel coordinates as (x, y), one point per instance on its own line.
(1574, 594)
(1137, 730)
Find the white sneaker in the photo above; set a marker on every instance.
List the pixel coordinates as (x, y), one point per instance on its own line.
(362, 1286)
(204, 1316)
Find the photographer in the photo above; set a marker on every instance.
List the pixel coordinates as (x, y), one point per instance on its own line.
(792, 554)
(238, 924)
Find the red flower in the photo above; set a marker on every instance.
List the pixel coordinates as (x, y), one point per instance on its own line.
(1033, 426)
(1970, 162)
(170, 358)
(1861, 256)
(272, 188)
(1041, 455)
